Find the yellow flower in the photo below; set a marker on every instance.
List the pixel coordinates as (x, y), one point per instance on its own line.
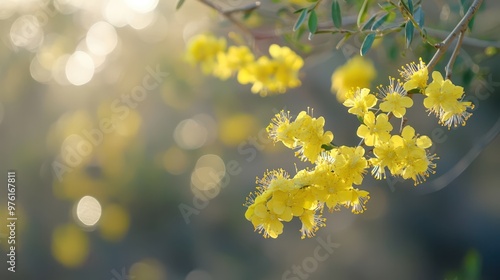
(268, 223)
(288, 64)
(305, 133)
(415, 75)
(286, 204)
(414, 160)
(236, 58)
(273, 75)
(355, 198)
(386, 156)
(203, 49)
(311, 222)
(357, 72)
(395, 99)
(443, 98)
(260, 73)
(360, 102)
(349, 163)
(375, 130)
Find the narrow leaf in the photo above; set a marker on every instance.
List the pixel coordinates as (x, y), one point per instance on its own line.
(362, 13)
(409, 28)
(369, 22)
(179, 4)
(300, 20)
(299, 10)
(419, 17)
(336, 15)
(313, 22)
(367, 43)
(410, 6)
(380, 21)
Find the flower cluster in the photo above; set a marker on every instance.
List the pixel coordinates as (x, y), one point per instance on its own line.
(338, 169)
(329, 183)
(268, 75)
(442, 97)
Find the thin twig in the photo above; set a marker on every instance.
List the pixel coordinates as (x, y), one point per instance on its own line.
(228, 14)
(460, 28)
(469, 41)
(248, 8)
(451, 62)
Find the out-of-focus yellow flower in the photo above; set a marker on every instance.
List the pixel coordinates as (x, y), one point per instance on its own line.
(236, 58)
(114, 222)
(70, 245)
(273, 75)
(358, 72)
(300, 2)
(203, 49)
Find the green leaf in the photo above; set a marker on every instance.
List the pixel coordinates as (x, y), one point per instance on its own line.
(300, 20)
(380, 21)
(410, 6)
(369, 22)
(313, 22)
(362, 12)
(387, 6)
(367, 43)
(179, 4)
(299, 10)
(409, 30)
(336, 15)
(419, 17)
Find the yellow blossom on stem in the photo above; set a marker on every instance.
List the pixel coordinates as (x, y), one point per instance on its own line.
(203, 49)
(386, 156)
(360, 102)
(305, 133)
(415, 162)
(395, 99)
(354, 198)
(286, 204)
(444, 99)
(311, 222)
(267, 222)
(375, 130)
(350, 164)
(415, 76)
(357, 72)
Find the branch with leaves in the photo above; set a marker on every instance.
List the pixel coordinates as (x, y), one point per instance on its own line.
(387, 147)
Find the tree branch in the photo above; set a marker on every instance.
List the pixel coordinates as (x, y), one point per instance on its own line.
(460, 28)
(451, 62)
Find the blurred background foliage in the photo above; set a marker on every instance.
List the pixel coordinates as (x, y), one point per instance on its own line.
(114, 209)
